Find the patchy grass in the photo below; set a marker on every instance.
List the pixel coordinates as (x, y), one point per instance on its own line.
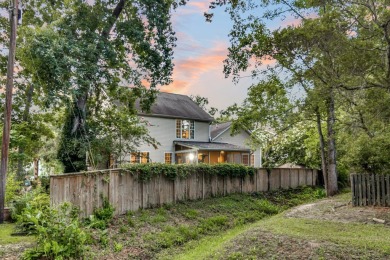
(281, 237)
(365, 236)
(5, 235)
(168, 230)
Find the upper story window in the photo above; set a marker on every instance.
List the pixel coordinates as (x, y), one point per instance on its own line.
(142, 157)
(185, 129)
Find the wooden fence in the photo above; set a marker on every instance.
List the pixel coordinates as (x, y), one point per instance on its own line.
(370, 189)
(125, 192)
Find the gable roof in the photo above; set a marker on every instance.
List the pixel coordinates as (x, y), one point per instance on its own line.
(218, 129)
(171, 105)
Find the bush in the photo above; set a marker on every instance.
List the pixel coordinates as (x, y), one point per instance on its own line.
(102, 216)
(59, 234)
(34, 201)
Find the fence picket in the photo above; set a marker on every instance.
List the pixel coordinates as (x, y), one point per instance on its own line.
(126, 192)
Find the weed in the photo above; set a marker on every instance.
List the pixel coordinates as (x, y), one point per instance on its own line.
(123, 229)
(191, 214)
(144, 216)
(158, 219)
(130, 221)
(117, 247)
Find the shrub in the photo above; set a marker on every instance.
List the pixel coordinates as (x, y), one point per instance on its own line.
(102, 216)
(59, 234)
(30, 203)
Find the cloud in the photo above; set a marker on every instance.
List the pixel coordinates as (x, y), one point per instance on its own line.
(202, 6)
(188, 71)
(294, 21)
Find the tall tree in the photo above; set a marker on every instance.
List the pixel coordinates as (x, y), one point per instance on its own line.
(96, 58)
(335, 49)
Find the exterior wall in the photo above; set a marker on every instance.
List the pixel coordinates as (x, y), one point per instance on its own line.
(164, 131)
(239, 139)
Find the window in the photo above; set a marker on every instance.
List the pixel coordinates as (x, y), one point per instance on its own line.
(142, 157)
(168, 158)
(245, 159)
(252, 160)
(185, 129)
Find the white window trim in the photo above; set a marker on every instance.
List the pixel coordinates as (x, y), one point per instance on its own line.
(181, 129)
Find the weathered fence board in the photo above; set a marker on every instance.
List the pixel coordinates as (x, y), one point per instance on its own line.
(126, 192)
(370, 189)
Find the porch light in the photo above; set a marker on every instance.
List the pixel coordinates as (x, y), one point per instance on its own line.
(191, 156)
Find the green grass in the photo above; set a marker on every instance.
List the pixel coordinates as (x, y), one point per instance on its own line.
(207, 245)
(6, 238)
(369, 236)
(261, 240)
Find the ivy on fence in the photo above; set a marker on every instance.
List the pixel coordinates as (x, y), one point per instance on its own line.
(171, 171)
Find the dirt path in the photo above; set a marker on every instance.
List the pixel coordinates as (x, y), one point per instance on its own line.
(340, 209)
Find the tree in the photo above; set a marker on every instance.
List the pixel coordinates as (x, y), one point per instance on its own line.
(203, 102)
(333, 53)
(96, 59)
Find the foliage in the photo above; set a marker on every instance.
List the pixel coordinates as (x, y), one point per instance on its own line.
(101, 216)
(148, 171)
(209, 217)
(13, 189)
(34, 202)
(95, 59)
(326, 65)
(59, 234)
(203, 103)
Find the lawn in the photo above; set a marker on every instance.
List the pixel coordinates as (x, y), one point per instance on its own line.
(172, 229)
(6, 237)
(303, 234)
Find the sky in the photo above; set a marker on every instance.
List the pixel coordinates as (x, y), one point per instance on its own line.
(199, 54)
(201, 49)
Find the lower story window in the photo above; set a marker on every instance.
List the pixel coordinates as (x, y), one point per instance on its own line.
(142, 157)
(245, 159)
(252, 160)
(168, 158)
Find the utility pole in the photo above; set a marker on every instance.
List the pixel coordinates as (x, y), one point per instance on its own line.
(13, 18)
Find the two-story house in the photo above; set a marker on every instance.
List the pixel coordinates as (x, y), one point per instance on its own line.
(186, 135)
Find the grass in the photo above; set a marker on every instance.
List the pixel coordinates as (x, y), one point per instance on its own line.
(278, 237)
(206, 246)
(5, 235)
(151, 233)
(369, 236)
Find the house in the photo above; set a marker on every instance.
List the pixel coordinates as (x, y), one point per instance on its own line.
(186, 135)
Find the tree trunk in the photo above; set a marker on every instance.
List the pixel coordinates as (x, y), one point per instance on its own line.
(322, 149)
(332, 187)
(20, 170)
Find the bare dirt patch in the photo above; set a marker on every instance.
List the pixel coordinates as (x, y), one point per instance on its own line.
(340, 209)
(13, 251)
(260, 244)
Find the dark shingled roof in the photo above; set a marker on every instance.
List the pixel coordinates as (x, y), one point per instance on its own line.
(217, 129)
(211, 146)
(175, 106)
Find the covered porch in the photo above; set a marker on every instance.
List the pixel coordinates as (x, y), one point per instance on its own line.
(211, 153)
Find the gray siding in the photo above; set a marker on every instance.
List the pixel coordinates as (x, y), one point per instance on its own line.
(164, 131)
(240, 139)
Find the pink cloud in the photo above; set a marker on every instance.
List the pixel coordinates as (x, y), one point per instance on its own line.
(188, 71)
(294, 22)
(202, 6)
